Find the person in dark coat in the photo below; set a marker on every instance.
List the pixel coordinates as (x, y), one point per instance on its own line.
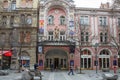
(35, 66)
(71, 70)
(52, 67)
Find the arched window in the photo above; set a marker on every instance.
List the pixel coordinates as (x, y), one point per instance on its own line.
(62, 20)
(29, 3)
(29, 19)
(5, 4)
(86, 52)
(51, 20)
(12, 21)
(22, 19)
(104, 52)
(4, 19)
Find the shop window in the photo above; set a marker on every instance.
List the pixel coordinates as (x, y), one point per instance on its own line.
(26, 63)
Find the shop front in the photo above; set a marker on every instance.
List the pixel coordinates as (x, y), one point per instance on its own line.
(5, 59)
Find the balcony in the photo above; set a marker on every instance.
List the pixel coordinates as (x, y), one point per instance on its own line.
(56, 43)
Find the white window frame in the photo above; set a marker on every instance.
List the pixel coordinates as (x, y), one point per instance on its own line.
(103, 21)
(84, 20)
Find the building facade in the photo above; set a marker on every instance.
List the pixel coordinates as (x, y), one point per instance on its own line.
(56, 32)
(18, 33)
(85, 38)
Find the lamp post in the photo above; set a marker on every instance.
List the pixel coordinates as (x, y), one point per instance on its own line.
(96, 56)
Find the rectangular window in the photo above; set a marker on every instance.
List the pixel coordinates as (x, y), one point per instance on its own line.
(102, 21)
(62, 36)
(84, 20)
(82, 36)
(13, 5)
(50, 35)
(87, 36)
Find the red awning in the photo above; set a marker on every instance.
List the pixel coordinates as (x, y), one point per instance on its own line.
(7, 53)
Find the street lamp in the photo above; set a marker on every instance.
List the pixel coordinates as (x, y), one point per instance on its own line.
(96, 56)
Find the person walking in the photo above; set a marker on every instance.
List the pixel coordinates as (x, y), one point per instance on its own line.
(35, 66)
(71, 70)
(52, 67)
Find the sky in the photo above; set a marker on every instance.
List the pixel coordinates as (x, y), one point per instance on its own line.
(90, 3)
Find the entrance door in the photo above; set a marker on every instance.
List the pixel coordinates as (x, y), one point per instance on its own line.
(56, 63)
(104, 62)
(86, 63)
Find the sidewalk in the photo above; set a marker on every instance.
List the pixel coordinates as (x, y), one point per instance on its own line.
(62, 75)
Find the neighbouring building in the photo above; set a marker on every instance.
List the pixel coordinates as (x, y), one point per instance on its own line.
(18, 33)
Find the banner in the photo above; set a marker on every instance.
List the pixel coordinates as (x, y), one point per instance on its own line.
(71, 23)
(41, 30)
(71, 33)
(41, 23)
(40, 49)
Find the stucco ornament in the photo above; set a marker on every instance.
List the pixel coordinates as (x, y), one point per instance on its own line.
(56, 32)
(56, 11)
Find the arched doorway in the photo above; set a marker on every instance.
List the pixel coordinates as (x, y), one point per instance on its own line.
(104, 59)
(56, 57)
(86, 60)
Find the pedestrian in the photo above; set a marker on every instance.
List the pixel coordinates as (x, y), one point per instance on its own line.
(71, 70)
(35, 66)
(52, 67)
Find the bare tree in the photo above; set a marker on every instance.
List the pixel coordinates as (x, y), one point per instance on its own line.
(115, 3)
